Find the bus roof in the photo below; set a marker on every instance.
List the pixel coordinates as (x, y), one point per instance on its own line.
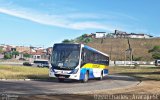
(92, 49)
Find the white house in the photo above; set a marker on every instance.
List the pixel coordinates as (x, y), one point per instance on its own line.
(100, 34)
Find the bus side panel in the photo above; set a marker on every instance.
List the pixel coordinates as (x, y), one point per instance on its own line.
(94, 70)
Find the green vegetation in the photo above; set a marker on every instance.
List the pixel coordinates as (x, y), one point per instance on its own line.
(26, 55)
(84, 39)
(8, 56)
(81, 39)
(22, 72)
(141, 73)
(15, 53)
(67, 41)
(1, 50)
(155, 52)
(137, 58)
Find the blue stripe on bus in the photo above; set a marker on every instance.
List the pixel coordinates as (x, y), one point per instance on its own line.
(83, 72)
(105, 71)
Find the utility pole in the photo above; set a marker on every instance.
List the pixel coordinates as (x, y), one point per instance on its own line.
(125, 57)
(131, 56)
(110, 49)
(130, 52)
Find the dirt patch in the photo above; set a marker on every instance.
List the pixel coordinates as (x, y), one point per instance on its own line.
(144, 87)
(58, 97)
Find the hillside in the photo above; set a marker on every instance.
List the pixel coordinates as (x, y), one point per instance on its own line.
(115, 47)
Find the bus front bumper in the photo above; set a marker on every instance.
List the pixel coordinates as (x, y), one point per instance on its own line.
(64, 76)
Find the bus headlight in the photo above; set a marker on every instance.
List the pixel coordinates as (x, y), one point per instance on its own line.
(74, 71)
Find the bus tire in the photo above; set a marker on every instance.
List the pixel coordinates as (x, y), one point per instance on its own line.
(86, 77)
(60, 80)
(101, 77)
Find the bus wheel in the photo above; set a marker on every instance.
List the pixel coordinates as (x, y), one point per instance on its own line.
(101, 77)
(86, 76)
(61, 80)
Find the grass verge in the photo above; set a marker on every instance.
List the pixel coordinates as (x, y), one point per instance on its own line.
(22, 72)
(141, 73)
(25, 72)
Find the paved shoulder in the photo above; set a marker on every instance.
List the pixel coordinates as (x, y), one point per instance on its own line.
(68, 87)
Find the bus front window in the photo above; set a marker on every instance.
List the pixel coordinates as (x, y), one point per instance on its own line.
(65, 57)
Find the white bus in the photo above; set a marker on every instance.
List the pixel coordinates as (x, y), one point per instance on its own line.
(78, 62)
(157, 62)
(41, 63)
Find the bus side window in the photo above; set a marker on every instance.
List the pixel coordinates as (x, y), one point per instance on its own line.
(107, 60)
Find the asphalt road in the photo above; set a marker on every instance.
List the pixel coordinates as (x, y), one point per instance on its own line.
(67, 87)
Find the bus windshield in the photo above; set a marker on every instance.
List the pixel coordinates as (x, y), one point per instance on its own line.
(65, 56)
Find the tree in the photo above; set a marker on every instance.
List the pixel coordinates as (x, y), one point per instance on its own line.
(1, 50)
(156, 55)
(137, 58)
(68, 41)
(26, 55)
(87, 40)
(15, 53)
(155, 52)
(84, 39)
(7, 56)
(155, 49)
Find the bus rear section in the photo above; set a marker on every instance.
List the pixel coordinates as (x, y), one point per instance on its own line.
(94, 64)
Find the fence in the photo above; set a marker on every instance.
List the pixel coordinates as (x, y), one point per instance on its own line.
(131, 63)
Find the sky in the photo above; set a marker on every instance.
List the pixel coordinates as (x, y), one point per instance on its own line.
(45, 22)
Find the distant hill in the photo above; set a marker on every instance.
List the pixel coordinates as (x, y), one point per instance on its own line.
(115, 47)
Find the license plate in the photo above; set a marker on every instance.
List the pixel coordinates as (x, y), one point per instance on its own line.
(61, 77)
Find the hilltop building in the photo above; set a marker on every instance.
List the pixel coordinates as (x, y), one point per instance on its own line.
(118, 34)
(100, 34)
(97, 35)
(121, 34)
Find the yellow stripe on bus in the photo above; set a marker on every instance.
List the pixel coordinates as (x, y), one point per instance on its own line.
(90, 65)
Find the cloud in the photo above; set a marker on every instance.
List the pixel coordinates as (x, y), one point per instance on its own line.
(77, 21)
(123, 16)
(55, 20)
(90, 25)
(34, 16)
